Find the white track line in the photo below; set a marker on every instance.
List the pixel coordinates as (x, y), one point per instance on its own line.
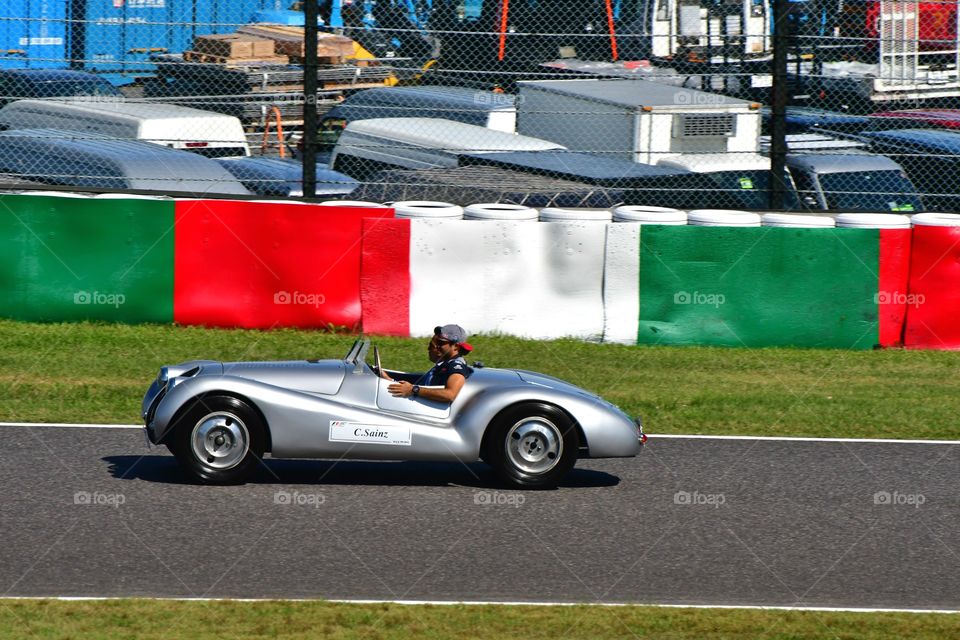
(798, 439)
(71, 425)
(485, 603)
(667, 436)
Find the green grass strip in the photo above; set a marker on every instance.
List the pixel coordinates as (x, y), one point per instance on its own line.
(172, 620)
(89, 372)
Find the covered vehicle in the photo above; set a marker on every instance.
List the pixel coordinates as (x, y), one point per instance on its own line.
(931, 159)
(282, 177)
(207, 133)
(916, 119)
(641, 184)
(17, 84)
(471, 106)
(54, 156)
(220, 418)
(369, 146)
(803, 119)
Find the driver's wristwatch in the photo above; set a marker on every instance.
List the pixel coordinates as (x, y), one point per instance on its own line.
(416, 390)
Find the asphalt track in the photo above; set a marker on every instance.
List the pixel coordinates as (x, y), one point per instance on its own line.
(93, 512)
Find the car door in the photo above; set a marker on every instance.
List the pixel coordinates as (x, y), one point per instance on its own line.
(414, 406)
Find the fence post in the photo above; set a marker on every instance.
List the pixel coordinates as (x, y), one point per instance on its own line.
(778, 99)
(310, 13)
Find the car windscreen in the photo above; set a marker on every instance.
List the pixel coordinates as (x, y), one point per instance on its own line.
(744, 190)
(888, 190)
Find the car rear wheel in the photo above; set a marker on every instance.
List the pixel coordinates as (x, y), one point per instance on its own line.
(220, 440)
(532, 445)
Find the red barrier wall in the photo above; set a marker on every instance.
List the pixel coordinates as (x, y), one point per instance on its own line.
(933, 303)
(257, 265)
(385, 277)
(893, 285)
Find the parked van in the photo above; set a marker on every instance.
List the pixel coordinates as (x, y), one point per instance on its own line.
(641, 184)
(203, 132)
(495, 111)
(733, 180)
(931, 159)
(54, 156)
(369, 146)
(852, 182)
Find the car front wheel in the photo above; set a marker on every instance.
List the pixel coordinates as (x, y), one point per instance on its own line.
(532, 445)
(220, 440)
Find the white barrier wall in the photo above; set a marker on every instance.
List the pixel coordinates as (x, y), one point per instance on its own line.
(532, 280)
(621, 285)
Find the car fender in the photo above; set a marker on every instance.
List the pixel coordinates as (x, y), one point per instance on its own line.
(608, 431)
(185, 390)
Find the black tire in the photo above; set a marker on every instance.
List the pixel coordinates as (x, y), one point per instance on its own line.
(531, 445)
(219, 440)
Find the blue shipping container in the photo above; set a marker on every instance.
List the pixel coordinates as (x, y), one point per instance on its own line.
(121, 35)
(32, 34)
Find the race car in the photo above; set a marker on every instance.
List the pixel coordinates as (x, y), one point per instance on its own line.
(220, 418)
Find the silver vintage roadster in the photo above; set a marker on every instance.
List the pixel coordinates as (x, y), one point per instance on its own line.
(220, 418)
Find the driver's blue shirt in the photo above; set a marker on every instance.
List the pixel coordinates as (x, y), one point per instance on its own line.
(438, 375)
(444, 369)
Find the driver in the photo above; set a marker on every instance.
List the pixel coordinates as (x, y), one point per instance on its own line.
(450, 371)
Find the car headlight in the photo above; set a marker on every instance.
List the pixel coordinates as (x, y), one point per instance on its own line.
(163, 376)
(638, 421)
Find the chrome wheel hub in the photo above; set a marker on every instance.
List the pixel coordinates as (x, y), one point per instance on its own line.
(534, 445)
(220, 440)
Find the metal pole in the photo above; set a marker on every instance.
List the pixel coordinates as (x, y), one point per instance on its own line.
(310, 123)
(778, 99)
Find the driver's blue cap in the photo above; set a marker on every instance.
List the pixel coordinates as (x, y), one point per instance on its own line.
(453, 333)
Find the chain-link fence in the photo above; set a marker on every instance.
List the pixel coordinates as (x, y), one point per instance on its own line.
(581, 103)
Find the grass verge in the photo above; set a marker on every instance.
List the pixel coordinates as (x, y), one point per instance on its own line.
(97, 373)
(170, 620)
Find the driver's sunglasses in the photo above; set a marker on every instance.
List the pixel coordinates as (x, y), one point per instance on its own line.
(439, 342)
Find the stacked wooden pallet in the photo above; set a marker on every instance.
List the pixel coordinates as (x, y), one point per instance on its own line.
(233, 49)
(289, 41)
(247, 88)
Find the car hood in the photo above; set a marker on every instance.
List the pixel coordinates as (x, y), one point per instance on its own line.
(543, 380)
(315, 376)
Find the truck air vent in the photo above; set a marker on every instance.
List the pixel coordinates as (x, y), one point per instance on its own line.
(706, 125)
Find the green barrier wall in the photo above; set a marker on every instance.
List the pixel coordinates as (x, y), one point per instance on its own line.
(75, 259)
(756, 287)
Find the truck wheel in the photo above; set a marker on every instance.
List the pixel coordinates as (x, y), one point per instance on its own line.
(220, 440)
(532, 445)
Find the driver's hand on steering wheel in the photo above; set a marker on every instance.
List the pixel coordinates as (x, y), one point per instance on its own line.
(383, 374)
